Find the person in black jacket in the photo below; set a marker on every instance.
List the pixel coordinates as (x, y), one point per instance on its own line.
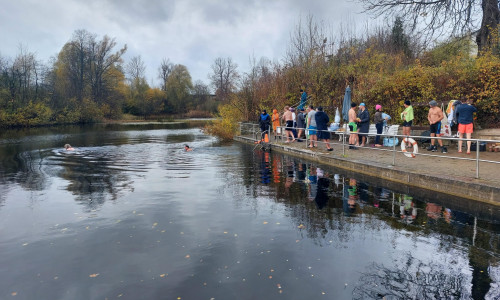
(322, 127)
(364, 123)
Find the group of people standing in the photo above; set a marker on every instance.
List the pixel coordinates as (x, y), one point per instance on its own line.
(359, 124)
(314, 123)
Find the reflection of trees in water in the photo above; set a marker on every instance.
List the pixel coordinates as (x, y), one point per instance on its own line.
(23, 167)
(412, 279)
(94, 179)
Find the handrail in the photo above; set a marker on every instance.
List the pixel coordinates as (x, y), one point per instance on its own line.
(256, 130)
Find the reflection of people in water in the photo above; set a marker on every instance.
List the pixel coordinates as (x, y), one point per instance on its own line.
(447, 215)
(186, 147)
(68, 147)
(433, 210)
(265, 172)
(290, 174)
(276, 164)
(353, 194)
(312, 181)
(321, 198)
(407, 208)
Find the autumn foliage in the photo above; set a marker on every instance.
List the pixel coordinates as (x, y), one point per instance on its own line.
(381, 68)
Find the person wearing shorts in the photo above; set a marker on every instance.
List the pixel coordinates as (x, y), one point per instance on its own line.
(311, 120)
(465, 114)
(288, 118)
(407, 117)
(435, 116)
(353, 127)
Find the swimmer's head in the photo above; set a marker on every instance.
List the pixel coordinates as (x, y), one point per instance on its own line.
(67, 146)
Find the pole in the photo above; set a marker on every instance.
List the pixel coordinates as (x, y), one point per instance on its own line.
(343, 143)
(394, 149)
(477, 159)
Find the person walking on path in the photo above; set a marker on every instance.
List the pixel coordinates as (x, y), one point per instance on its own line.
(275, 120)
(288, 118)
(407, 116)
(465, 115)
(311, 120)
(378, 119)
(303, 99)
(323, 134)
(353, 127)
(364, 123)
(435, 116)
(301, 124)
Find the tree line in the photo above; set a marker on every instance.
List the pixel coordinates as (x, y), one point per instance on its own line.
(384, 65)
(89, 81)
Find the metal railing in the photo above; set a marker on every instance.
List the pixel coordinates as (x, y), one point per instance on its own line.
(254, 131)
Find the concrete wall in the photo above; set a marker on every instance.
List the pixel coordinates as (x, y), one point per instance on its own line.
(452, 186)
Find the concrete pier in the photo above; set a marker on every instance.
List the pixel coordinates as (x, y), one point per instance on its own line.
(451, 176)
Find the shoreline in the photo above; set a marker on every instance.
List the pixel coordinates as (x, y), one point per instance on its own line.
(466, 188)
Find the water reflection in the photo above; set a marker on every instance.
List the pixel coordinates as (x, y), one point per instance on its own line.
(154, 221)
(339, 202)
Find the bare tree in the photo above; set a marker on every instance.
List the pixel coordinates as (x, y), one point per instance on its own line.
(164, 72)
(224, 77)
(439, 16)
(135, 68)
(307, 41)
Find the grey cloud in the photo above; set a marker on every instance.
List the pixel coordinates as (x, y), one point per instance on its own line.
(133, 12)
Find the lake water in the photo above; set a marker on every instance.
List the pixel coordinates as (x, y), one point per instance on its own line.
(130, 215)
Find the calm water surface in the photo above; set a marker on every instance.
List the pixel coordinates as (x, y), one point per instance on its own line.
(130, 215)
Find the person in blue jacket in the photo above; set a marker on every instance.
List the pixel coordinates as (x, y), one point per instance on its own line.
(303, 100)
(264, 121)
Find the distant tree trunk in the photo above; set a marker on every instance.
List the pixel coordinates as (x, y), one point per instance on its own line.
(489, 25)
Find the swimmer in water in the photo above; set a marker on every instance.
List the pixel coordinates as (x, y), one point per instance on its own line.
(68, 147)
(186, 147)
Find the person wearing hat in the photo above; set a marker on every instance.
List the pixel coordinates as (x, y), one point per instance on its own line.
(435, 116)
(363, 123)
(264, 121)
(379, 124)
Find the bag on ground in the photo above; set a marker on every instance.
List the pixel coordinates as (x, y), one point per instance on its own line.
(390, 141)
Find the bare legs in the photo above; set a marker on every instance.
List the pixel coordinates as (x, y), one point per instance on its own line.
(461, 136)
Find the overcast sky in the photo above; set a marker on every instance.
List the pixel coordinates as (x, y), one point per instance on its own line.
(189, 32)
